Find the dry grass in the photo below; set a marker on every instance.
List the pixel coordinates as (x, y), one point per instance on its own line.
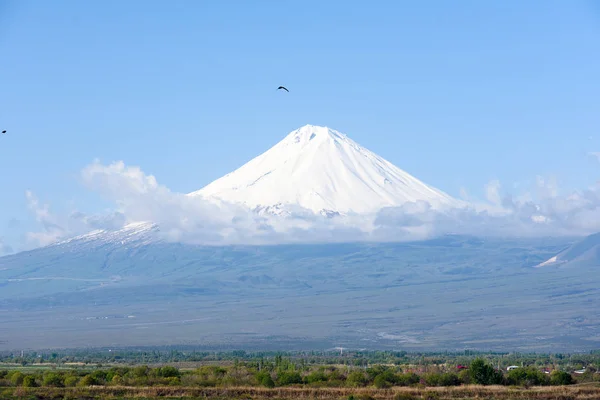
(578, 392)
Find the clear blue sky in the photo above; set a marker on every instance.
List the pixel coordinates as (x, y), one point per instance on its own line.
(456, 93)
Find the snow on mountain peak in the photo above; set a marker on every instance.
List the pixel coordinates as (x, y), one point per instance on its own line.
(325, 171)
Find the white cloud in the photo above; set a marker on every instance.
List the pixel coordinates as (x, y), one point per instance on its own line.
(139, 197)
(492, 192)
(51, 229)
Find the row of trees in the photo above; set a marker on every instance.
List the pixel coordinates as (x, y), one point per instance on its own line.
(283, 372)
(349, 358)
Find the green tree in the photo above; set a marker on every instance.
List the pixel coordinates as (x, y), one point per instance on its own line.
(483, 373)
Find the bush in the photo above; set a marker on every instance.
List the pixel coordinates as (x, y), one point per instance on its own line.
(316, 376)
(264, 378)
(71, 381)
(53, 379)
(385, 378)
(561, 378)
(449, 379)
(88, 380)
(16, 378)
(168, 372)
(29, 381)
(288, 378)
(357, 379)
(408, 379)
(526, 377)
(381, 382)
(140, 372)
(173, 381)
(446, 379)
(464, 376)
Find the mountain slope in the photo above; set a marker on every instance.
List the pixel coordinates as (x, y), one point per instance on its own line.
(586, 251)
(324, 171)
(443, 294)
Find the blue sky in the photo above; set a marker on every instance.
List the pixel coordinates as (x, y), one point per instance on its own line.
(455, 93)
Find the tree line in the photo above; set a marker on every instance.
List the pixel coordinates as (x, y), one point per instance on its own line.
(281, 372)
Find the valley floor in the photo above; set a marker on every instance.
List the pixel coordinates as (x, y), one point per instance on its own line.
(574, 392)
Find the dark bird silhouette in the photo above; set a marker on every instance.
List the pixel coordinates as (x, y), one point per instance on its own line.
(3, 131)
(281, 87)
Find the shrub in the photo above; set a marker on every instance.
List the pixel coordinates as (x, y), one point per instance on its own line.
(16, 378)
(71, 380)
(316, 376)
(561, 378)
(29, 381)
(288, 378)
(88, 380)
(446, 379)
(168, 372)
(53, 379)
(464, 376)
(140, 372)
(264, 378)
(526, 377)
(173, 381)
(381, 382)
(407, 379)
(357, 379)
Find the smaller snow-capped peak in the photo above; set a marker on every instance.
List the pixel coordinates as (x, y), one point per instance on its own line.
(135, 231)
(323, 170)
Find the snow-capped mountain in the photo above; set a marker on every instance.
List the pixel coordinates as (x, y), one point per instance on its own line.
(323, 170)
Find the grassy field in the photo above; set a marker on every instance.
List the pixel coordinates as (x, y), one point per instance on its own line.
(278, 378)
(575, 392)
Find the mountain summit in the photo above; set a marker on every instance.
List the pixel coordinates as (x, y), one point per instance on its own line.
(323, 170)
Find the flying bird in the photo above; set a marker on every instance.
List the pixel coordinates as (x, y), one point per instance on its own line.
(3, 131)
(281, 87)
